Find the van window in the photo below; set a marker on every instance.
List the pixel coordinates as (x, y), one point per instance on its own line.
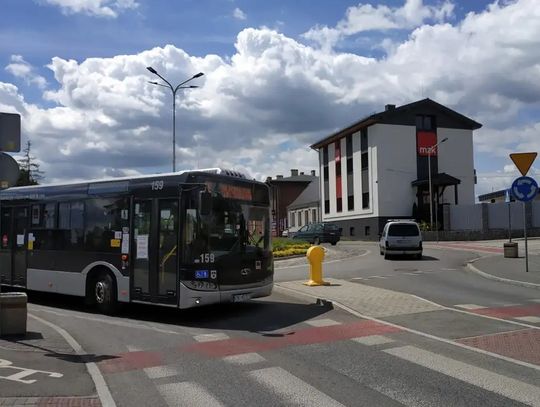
(403, 230)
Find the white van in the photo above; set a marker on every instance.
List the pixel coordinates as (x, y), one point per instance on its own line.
(401, 237)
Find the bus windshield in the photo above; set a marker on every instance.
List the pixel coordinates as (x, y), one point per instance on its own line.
(235, 226)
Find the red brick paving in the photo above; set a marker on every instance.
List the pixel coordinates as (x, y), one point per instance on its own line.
(131, 361)
(510, 312)
(522, 345)
(234, 346)
(306, 336)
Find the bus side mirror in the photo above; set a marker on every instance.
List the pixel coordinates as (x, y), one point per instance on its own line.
(205, 203)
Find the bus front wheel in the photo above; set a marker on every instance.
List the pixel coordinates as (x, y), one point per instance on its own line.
(105, 293)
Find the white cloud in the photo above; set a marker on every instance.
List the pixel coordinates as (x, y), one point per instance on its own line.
(21, 69)
(97, 8)
(259, 109)
(239, 14)
(366, 17)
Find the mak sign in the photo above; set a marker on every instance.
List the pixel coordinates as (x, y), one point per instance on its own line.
(425, 140)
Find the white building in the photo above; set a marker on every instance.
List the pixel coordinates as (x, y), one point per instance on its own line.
(377, 168)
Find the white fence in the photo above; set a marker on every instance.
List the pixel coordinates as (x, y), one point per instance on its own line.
(492, 216)
(466, 217)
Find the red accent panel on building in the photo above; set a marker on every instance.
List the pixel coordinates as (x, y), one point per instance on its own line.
(424, 141)
(338, 173)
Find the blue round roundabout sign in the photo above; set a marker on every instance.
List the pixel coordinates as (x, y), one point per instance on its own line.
(524, 189)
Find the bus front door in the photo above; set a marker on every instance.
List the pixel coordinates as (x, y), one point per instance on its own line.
(6, 232)
(19, 242)
(155, 253)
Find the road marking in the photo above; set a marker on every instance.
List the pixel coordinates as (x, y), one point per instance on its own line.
(22, 372)
(373, 340)
(357, 278)
(485, 379)
(424, 334)
(469, 306)
(322, 322)
(188, 394)
(219, 336)
(447, 269)
(104, 394)
(156, 372)
(377, 276)
(291, 389)
(244, 358)
(415, 273)
(532, 319)
(535, 300)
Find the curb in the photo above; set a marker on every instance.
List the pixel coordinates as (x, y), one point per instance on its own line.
(295, 256)
(488, 276)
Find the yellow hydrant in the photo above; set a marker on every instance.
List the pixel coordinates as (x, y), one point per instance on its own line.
(315, 256)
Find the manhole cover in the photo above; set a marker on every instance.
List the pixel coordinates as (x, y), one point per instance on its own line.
(405, 269)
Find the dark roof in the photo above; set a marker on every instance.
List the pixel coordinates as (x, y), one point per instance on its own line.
(405, 115)
(492, 195)
(295, 178)
(309, 195)
(440, 179)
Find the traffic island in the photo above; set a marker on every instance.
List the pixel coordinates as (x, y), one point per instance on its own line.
(13, 313)
(508, 270)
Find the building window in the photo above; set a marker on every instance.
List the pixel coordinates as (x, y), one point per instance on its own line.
(306, 217)
(293, 223)
(327, 206)
(299, 219)
(365, 200)
(339, 204)
(425, 122)
(351, 231)
(350, 202)
(367, 231)
(314, 215)
(363, 140)
(326, 181)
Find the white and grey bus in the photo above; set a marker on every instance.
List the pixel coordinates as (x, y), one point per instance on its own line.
(182, 239)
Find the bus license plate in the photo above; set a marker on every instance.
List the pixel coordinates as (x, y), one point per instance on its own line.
(241, 297)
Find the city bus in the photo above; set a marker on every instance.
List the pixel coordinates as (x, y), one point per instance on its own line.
(181, 239)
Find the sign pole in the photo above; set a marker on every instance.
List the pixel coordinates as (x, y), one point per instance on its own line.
(509, 222)
(525, 235)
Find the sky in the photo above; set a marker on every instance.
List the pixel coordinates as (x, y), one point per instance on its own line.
(278, 76)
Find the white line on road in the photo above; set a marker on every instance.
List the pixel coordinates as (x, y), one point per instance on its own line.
(244, 358)
(372, 340)
(104, 394)
(469, 306)
(535, 300)
(188, 394)
(291, 389)
(156, 372)
(219, 336)
(322, 322)
(485, 379)
(531, 319)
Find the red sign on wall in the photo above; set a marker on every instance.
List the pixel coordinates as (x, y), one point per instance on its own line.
(424, 141)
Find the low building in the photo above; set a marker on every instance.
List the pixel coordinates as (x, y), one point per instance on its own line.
(392, 164)
(283, 192)
(499, 196)
(306, 208)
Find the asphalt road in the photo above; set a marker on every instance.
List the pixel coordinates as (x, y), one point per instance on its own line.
(286, 350)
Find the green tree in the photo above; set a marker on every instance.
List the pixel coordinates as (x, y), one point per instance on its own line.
(30, 174)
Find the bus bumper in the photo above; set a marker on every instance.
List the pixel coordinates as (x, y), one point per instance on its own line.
(193, 298)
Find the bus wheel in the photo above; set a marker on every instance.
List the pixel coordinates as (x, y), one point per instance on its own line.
(105, 294)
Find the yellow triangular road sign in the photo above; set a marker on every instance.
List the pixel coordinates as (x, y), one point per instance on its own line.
(523, 161)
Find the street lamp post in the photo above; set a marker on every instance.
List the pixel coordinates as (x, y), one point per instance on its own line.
(173, 90)
(430, 151)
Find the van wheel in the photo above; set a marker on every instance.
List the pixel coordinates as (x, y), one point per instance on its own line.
(381, 252)
(386, 256)
(105, 293)
(419, 256)
(333, 243)
(316, 241)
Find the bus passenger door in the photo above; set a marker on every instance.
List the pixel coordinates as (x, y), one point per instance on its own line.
(6, 244)
(155, 253)
(19, 242)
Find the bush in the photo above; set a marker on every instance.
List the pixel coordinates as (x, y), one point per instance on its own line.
(280, 244)
(290, 252)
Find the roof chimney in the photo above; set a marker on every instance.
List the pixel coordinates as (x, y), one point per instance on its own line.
(294, 173)
(313, 172)
(268, 179)
(389, 107)
(279, 176)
